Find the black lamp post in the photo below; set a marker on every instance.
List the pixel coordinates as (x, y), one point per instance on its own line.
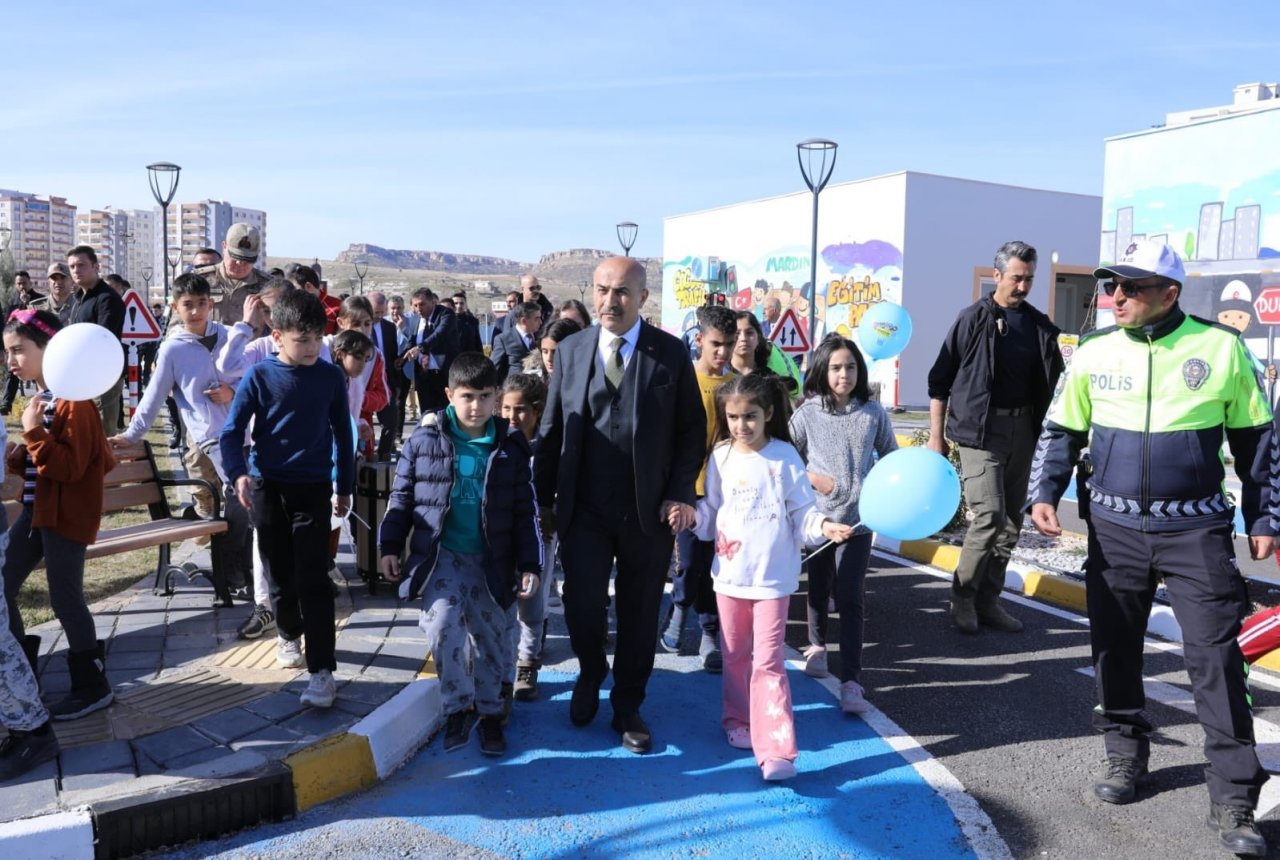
(582, 291)
(146, 280)
(627, 236)
(362, 268)
(173, 256)
(163, 176)
(817, 159)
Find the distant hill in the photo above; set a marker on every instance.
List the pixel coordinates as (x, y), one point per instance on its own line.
(436, 261)
(561, 272)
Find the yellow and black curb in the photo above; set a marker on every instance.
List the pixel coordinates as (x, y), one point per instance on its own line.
(171, 809)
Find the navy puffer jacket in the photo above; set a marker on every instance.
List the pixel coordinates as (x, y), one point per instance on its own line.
(420, 501)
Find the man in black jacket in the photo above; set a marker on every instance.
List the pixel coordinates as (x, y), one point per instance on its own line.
(511, 347)
(95, 302)
(433, 346)
(468, 326)
(991, 384)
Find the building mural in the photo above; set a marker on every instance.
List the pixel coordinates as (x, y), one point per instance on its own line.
(852, 276)
(1211, 190)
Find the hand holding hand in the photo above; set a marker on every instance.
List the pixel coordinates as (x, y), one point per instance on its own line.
(836, 532)
(391, 568)
(1045, 518)
(678, 516)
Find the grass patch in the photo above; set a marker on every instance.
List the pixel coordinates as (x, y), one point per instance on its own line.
(103, 577)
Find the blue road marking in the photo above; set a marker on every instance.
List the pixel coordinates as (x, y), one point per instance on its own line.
(562, 791)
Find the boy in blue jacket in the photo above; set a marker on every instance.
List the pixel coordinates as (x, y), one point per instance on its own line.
(464, 486)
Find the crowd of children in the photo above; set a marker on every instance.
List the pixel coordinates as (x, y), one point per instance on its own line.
(276, 423)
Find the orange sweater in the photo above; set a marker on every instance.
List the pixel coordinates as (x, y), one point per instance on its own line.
(71, 458)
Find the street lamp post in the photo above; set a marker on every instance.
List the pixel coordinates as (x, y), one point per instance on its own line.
(362, 268)
(173, 256)
(146, 280)
(627, 236)
(582, 291)
(817, 159)
(163, 176)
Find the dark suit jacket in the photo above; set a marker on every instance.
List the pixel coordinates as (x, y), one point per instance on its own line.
(670, 441)
(390, 350)
(509, 352)
(469, 334)
(440, 338)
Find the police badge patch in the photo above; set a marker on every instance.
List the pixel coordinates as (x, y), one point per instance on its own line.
(1194, 372)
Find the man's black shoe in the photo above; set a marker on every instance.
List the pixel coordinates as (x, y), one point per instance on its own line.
(1120, 783)
(457, 728)
(635, 733)
(1236, 829)
(491, 740)
(585, 702)
(507, 693)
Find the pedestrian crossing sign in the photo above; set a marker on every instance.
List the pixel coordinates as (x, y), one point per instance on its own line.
(789, 335)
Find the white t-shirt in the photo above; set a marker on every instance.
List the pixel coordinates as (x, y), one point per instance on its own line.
(760, 510)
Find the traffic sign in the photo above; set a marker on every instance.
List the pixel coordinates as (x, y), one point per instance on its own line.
(139, 324)
(1268, 306)
(789, 335)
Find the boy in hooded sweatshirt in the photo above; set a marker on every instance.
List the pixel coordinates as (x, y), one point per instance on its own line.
(186, 368)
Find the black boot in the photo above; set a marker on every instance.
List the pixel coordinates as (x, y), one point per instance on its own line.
(21, 751)
(1236, 830)
(31, 647)
(90, 690)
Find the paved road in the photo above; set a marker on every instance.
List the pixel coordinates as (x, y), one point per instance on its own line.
(1005, 715)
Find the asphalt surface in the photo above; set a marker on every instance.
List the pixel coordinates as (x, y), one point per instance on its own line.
(1006, 714)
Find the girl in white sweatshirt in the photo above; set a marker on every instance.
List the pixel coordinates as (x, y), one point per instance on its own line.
(759, 510)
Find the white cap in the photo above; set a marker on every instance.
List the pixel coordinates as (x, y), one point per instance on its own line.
(1144, 259)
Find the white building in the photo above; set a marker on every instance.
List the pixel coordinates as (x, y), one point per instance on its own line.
(204, 224)
(42, 229)
(926, 242)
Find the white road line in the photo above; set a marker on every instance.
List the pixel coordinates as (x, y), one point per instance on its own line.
(1266, 734)
(977, 827)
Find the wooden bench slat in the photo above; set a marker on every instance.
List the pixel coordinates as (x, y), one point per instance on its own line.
(151, 534)
(134, 472)
(131, 496)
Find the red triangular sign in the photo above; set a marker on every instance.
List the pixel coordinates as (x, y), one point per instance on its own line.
(788, 334)
(139, 324)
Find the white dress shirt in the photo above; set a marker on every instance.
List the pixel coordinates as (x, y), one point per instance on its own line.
(605, 345)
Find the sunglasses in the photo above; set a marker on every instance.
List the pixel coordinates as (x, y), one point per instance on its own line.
(1130, 288)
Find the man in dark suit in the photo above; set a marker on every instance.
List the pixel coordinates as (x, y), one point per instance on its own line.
(433, 347)
(468, 326)
(385, 338)
(501, 323)
(511, 347)
(623, 439)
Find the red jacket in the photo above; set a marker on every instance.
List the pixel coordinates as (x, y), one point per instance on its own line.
(71, 458)
(331, 307)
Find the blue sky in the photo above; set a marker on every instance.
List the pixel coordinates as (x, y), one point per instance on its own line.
(514, 130)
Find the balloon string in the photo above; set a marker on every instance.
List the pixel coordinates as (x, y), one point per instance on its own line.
(828, 544)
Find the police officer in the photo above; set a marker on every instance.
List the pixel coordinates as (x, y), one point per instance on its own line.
(236, 278)
(1152, 397)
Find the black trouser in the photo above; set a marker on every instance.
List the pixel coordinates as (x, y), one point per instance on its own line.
(12, 385)
(430, 384)
(1209, 600)
(691, 582)
(390, 419)
(845, 566)
(588, 550)
(293, 532)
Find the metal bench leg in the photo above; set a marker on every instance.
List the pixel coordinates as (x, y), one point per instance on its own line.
(218, 573)
(164, 572)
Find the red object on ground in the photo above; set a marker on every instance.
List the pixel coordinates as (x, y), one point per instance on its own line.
(1260, 634)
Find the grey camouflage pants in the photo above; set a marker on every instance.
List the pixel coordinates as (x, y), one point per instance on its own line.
(20, 705)
(466, 633)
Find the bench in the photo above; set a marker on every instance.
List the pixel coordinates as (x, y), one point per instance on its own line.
(135, 482)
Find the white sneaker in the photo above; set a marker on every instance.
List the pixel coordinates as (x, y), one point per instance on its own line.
(289, 653)
(815, 661)
(852, 698)
(321, 691)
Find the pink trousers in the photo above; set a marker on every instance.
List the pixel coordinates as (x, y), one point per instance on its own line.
(756, 693)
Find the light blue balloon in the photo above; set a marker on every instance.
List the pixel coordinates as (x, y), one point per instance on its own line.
(884, 330)
(909, 494)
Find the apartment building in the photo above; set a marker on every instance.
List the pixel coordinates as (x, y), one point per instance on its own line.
(205, 223)
(41, 229)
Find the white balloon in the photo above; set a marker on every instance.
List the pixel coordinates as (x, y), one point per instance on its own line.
(82, 361)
